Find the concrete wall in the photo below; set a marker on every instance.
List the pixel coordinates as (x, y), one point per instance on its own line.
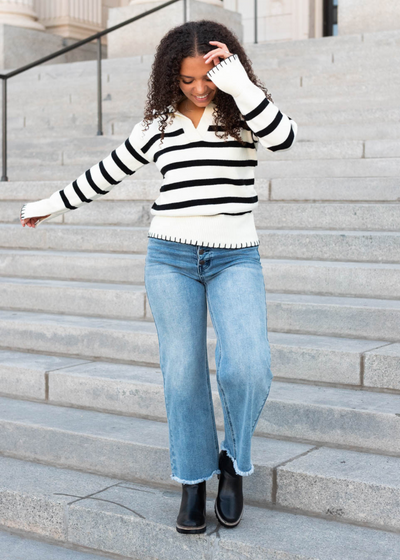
(358, 16)
(279, 20)
(143, 37)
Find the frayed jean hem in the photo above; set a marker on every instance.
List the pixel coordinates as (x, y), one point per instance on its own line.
(182, 481)
(235, 465)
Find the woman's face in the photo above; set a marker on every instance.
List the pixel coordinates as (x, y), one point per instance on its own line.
(195, 83)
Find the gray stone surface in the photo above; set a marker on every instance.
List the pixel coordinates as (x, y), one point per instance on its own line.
(332, 278)
(133, 449)
(343, 485)
(354, 189)
(313, 244)
(33, 497)
(83, 266)
(360, 16)
(382, 367)
(17, 547)
(371, 167)
(77, 298)
(376, 280)
(339, 416)
(294, 356)
(23, 374)
(367, 246)
(334, 316)
(287, 313)
(130, 519)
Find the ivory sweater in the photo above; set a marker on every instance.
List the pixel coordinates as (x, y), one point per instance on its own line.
(207, 195)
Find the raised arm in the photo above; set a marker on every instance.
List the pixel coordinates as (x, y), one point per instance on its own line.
(93, 183)
(274, 129)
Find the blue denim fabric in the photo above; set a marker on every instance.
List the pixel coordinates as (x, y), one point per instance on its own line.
(180, 282)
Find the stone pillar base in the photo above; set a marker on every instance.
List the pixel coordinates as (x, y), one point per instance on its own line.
(19, 14)
(20, 46)
(143, 36)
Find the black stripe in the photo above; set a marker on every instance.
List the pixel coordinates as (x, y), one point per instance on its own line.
(156, 137)
(286, 144)
(93, 184)
(120, 164)
(209, 162)
(206, 182)
(213, 128)
(66, 202)
(106, 175)
(204, 144)
(255, 112)
(235, 213)
(271, 127)
(134, 153)
(80, 193)
(204, 201)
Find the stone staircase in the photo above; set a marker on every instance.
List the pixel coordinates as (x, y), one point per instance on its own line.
(84, 457)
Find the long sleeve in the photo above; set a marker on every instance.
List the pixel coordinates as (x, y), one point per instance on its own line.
(93, 183)
(274, 129)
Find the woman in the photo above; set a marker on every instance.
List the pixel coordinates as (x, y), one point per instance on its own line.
(206, 114)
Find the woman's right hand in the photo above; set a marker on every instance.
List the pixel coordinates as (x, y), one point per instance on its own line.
(31, 222)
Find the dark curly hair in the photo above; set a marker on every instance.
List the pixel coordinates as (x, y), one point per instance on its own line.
(190, 40)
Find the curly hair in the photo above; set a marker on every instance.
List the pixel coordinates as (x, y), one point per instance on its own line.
(190, 40)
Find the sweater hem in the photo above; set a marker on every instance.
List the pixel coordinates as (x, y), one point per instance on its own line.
(204, 244)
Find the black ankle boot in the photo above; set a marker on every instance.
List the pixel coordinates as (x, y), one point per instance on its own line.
(192, 514)
(229, 502)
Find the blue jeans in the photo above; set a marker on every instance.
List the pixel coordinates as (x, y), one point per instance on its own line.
(181, 279)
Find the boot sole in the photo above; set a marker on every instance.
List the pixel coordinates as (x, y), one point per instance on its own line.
(222, 521)
(193, 531)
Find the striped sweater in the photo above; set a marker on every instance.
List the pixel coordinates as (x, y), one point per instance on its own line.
(207, 195)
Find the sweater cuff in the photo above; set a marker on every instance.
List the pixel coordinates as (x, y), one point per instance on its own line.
(43, 208)
(229, 75)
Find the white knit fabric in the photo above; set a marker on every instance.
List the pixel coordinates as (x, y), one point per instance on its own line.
(207, 195)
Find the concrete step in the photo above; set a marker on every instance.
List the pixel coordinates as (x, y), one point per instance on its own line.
(136, 450)
(73, 151)
(271, 169)
(270, 215)
(340, 246)
(133, 520)
(371, 167)
(354, 279)
(294, 356)
(289, 313)
(351, 419)
(328, 131)
(345, 44)
(298, 103)
(352, 189)
(19, 547)
(328, 189)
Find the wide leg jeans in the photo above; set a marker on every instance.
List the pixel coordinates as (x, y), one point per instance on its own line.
(181, 281)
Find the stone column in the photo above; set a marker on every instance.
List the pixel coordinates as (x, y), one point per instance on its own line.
(363, 16)
(19, 13)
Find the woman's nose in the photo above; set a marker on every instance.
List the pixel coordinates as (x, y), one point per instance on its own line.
(200, 89)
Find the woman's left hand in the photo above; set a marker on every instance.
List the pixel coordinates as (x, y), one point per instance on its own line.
(215, 55)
